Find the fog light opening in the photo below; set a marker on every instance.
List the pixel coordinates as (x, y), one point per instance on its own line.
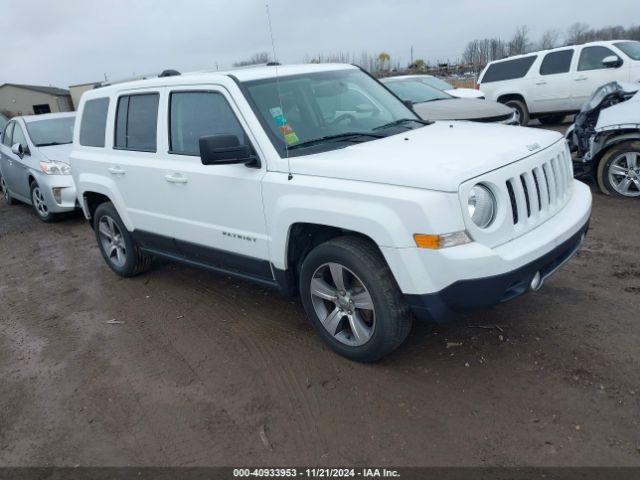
(57, 194)
(536, 282)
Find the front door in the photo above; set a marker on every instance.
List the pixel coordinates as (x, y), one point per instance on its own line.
(15, 169)
(592, 74)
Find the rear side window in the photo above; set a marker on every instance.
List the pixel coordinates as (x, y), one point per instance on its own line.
(8, 134)
(197, 114)
(136, 122)
(94, 122)
(591, 58)
(508, 70)
(556, 62)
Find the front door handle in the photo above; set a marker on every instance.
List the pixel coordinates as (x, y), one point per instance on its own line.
(176, 178)
(541, 83)
(116, 170)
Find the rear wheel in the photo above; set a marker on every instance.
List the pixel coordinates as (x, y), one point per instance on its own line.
(117, 245)
(39, 204)
(522, 112)
(552, 119)
(6, 196)
(618, 172)
(352, 299)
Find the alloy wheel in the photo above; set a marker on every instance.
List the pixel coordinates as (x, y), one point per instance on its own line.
(112, 241)
(39, 202)
(343, 304)
(624, 174)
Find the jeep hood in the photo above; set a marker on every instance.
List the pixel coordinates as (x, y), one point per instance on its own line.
(439, 156)
(57, 153)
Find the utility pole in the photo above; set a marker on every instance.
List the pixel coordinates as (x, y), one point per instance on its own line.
(411, 63)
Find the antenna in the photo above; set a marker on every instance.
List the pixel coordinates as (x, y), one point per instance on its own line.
(276, 64)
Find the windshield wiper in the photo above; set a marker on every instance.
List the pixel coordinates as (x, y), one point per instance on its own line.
(401, 122)
(347, 136)
(50, 144)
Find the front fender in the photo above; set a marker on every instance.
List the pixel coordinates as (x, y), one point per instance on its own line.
(92, 183)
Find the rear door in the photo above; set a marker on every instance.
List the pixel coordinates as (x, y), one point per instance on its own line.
(591, 73)
(551, 90)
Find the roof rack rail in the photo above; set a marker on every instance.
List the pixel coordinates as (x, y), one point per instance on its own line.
(273, 64)
(169, 73)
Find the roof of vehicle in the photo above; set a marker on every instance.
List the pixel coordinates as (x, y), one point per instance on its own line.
(244, 74)
(538, 52)
(45, 116)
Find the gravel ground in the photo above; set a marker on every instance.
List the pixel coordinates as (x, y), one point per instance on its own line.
(207, 370)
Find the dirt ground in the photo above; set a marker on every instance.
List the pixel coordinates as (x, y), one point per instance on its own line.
(207, 370)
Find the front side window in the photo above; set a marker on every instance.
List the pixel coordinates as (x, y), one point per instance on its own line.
(556, 62)
(57, 131)
(416, 91)
(197, 114)
(18, 136)
(323, 111)
(631, 49)
(8, 135)
(94, 122)
(509, 69)
(591, 58)
(136, 122)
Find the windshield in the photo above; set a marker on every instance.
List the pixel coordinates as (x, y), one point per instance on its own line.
(416, 91)
(323, 111)
(55, 131)
(436, 82)
(631, 49)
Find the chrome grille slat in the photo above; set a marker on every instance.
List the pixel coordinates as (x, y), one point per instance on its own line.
(534, 200)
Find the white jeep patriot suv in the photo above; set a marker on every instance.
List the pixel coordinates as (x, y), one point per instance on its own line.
(317, 179)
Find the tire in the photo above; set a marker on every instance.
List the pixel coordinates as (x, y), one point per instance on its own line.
(39, 205)
(552, 119)
(120, 251)
(521, 108)
(615, 159)
(383, 327)
(6, 196)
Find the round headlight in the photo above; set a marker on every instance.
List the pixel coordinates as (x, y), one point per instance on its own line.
(482, 206)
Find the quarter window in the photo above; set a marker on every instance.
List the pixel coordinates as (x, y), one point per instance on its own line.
(94, 122)
(136, 122)
(8, 134)
(509, 69)
(591, 58)
(556, 62)
(197, 114)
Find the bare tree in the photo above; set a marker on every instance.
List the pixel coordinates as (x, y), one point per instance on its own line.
(256, 59)
(520, 43)
(577, 33)
(550, 39)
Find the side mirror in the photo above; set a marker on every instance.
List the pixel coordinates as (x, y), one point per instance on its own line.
(18, 149)
(226, 150)
(612, 61)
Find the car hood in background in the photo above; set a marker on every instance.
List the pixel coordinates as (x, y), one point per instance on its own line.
(625, 113)
(465, 93)
(439, 156)
(462, 109)
(57, 153)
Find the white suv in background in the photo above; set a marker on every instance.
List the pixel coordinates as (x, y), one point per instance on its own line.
(551, 84)
(317, 179)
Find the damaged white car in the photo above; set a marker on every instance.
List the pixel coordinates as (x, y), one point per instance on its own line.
(606, 138)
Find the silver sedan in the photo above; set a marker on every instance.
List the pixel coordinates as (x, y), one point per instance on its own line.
(34, 163)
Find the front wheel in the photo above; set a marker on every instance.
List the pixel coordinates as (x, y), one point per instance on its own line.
(352, 299)
(39, 205)
(618, 172)
(116, 244)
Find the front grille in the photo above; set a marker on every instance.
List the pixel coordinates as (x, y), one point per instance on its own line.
(540, 191)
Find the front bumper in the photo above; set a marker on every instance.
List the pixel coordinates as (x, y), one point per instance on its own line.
(66, 200)
(486, 292)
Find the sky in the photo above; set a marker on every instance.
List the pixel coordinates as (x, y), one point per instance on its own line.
(67, 42)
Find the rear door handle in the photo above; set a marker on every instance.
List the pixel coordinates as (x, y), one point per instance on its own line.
(581, 79)
(116, 171)
(541, 83)
(176, 178)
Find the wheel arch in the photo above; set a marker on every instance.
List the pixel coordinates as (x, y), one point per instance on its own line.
(94, 190)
